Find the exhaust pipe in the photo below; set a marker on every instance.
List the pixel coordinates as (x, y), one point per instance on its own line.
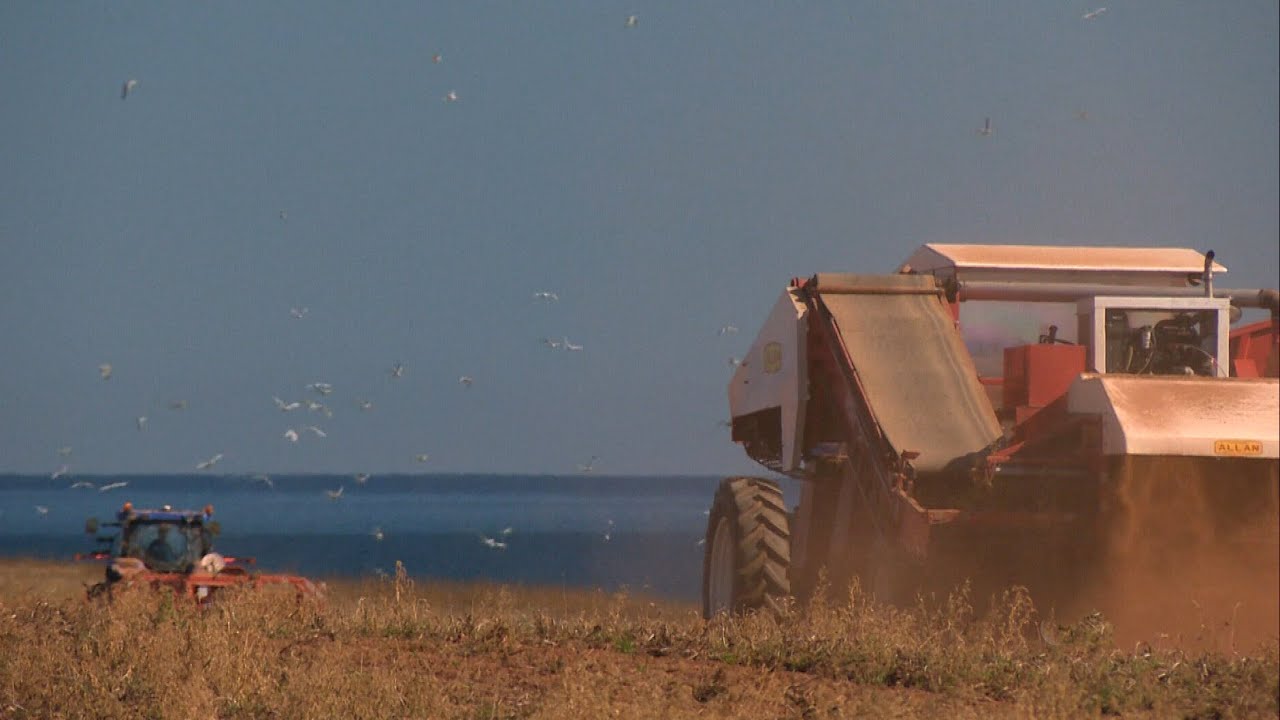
(1208, 274)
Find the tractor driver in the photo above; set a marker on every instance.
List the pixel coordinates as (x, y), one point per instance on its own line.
(161, 551)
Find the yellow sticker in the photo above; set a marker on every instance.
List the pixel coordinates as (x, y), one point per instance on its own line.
(1237, 447)
(773, 357)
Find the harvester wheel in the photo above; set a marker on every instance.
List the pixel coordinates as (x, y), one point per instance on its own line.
(748, 548)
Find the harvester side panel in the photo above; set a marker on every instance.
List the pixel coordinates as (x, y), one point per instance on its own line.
(919, 380)
(769, 390)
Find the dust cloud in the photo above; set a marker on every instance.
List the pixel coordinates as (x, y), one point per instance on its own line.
(1190, 554)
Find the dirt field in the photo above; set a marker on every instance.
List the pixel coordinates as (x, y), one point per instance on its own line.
(408, 648)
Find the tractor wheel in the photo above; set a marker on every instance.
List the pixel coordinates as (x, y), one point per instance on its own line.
(748, 548)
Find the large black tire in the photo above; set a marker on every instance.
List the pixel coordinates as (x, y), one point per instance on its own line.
(748, 549)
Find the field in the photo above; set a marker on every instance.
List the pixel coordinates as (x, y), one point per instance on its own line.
(406, 648)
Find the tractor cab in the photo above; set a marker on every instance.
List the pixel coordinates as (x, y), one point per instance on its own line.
(164, 540)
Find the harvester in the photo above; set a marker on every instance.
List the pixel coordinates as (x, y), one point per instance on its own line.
(1024, 414)
(173, 549)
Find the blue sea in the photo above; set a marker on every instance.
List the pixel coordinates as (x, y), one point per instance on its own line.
(636, 533)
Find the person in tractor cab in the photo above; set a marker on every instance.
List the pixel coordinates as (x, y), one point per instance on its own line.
(164, 550)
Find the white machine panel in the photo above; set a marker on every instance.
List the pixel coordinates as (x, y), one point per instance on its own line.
(774, 374)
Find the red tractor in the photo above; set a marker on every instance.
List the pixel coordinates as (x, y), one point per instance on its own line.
(173, 549)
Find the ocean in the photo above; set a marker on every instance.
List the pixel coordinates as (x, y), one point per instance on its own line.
(639, 534)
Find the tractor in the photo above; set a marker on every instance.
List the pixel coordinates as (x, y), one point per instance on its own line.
(173, 549)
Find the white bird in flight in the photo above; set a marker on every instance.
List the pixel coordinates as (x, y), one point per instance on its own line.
(397, 370)
(1093, 13)
(466, 381)
(362, 478)
(142, 421)
(553, 344)
(104, 371)
(62, 470)
(986, 129)
(608, 534)
(112, 486)
(377, 534)
(65, 451)
(206, 464)
(320, 387)
(319, 407)
(735, 362)
(545, 295)
(422, 457)
(291, 435)
(42, 510)
(317, 431)
(298, 312)
(491, 543)
(335, 494)
(265, 480)
(365, 405)
(286, 406)
(589, 465)
(82, 485)
(437, 58)
(570, 346)
(451, 96)
(727, 330)
(127, 88)
(633, 20)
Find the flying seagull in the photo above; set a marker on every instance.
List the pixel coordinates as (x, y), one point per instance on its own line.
(362, 478)
(319, 407)
(633, 20)
(265, 480)
(42, 510)
(206, 464)
(466, 381)
(318, 432)
(495, 544)
(320, 387)
(127, 88)
(421, 457)
(728, 330)
(451, 96)
(286, 406)
(291, 435)
(553, 344)
(589, 465)
(986, 129)
(82, 485)
(377, 534)
(112, 486)
(437, 58)
(397, 370)
(62, 470)
(335, 494)
(365, 405)
(104, 371)
(298, 312)
(142, 421)
(570, 346)
(1093, 13)
(544, 295)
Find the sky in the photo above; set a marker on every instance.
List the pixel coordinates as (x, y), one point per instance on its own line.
(664, 180)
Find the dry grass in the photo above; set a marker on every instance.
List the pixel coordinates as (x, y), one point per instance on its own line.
(396, 648)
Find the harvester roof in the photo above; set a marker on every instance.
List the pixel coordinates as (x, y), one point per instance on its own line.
(1172, 267)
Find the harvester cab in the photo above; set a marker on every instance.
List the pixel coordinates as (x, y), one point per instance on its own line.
(985, 399)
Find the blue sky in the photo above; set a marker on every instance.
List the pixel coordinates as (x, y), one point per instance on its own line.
(664, 180)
